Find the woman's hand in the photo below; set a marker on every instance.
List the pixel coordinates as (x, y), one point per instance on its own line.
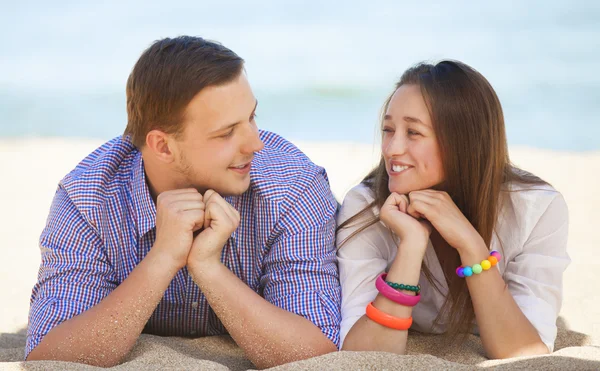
(409, 229)
(439, 209)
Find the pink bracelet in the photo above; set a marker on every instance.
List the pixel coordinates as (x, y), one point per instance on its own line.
(394, 295)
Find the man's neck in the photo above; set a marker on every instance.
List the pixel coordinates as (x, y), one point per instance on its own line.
(158, 178)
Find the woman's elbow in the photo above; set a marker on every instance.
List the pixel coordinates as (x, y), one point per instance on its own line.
(536, 349)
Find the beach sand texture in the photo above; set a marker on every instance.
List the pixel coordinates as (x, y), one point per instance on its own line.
(31, 169)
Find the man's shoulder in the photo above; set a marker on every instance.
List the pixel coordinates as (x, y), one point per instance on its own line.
(101, 173)
(280, 167)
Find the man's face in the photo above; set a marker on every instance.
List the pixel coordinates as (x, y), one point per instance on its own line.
(219, 139)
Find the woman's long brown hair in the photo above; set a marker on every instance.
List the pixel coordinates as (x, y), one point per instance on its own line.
(469, 124)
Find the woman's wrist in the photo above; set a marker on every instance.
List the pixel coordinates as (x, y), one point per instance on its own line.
(413, 247)
(406, 267)
(473, 251)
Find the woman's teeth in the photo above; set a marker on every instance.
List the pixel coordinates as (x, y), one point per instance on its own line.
(398, 168)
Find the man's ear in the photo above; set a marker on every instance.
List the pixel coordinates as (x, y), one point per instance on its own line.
(161, 145)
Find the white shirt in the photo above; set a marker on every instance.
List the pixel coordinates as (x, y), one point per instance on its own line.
(532, 226)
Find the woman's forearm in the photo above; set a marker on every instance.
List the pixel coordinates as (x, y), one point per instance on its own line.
(505, 331)
(368, 335)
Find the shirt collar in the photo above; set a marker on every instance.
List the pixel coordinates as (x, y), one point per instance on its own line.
(143, 205)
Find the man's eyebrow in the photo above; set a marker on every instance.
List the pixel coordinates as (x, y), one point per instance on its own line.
(235, 123)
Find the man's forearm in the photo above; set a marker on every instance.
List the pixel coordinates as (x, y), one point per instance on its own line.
(269, 335)
(105, 333)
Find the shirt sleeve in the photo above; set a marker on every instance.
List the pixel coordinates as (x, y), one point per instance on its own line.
(361, 259)
(300, 270)
(74, 272)
(535, 276)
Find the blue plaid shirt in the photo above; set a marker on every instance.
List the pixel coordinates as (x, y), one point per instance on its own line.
(102, 224)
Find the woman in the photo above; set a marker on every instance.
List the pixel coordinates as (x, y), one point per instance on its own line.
(443, 196)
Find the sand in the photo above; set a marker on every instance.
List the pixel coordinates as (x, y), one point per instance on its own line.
(31, 169)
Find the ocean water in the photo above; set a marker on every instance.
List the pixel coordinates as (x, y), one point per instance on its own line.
(320, 69)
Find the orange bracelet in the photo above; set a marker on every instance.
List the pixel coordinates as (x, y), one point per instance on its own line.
(386, 320)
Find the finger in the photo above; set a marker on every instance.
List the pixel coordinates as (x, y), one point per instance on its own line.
(197, 216)
(422, 196)
(433, 192)
(418, 209)
(179, 191)
(432, 197)
(208, 195)
(394, 199)
(214, 211)
(168, 197)
(185, 197)
(232, 213)
(403, 204)
(185, 205)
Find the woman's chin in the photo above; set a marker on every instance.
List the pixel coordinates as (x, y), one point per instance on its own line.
(401, 190)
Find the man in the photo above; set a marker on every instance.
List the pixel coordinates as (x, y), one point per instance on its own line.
(192, 223)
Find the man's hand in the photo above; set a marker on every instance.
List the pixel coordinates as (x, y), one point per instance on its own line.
(220, 220)
(179, 213)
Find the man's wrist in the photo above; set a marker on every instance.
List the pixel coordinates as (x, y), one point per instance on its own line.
(205, 270)
(164, 261)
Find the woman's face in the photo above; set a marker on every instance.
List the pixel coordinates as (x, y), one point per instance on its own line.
(409, 146)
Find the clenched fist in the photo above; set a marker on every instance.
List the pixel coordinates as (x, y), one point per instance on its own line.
(179, 213)
(220, 221)
(397, 215)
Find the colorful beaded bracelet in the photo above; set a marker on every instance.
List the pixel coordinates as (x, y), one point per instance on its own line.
(492, 260)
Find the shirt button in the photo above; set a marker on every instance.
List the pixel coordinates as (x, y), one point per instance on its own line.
(195, 305)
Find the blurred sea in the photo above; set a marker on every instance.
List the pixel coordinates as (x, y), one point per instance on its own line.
(320, 69)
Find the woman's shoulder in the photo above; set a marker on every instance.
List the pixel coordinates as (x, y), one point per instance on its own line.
(532, 197)
(367, 236)
(530, 204)
(356, 200)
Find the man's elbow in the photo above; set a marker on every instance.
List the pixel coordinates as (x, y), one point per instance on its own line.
(318, 348)
(41, 354)
(326, 347)
(311, 351)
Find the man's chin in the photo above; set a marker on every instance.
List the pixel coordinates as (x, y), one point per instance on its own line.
(232, 190)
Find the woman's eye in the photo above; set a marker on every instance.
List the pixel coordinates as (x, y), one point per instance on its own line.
(412, 132)
(387, 130)
(228, 134)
